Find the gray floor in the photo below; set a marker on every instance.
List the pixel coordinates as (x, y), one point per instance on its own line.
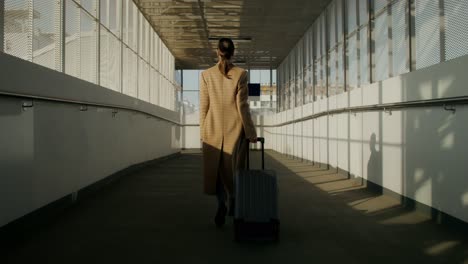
(159, 215)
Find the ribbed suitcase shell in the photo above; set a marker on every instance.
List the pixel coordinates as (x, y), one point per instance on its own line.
(256, 195)
(256, 211)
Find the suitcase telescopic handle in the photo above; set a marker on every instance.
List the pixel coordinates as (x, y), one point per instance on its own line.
(261, 140)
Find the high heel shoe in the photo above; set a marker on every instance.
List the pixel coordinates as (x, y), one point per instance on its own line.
(220, 218)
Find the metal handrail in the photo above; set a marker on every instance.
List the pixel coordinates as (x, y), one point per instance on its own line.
(447, 103)
(86, 103)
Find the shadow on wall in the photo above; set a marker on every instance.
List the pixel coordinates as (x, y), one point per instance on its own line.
(374, 166)
(378, 223)
(435, 159)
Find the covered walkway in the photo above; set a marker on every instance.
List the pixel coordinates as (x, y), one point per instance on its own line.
(158, 214)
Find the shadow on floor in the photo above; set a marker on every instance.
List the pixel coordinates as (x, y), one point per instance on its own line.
(160, 215)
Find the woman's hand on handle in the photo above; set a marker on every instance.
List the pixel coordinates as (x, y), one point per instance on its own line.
(253, 140)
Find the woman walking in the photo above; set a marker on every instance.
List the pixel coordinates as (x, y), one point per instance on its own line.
(225, 124)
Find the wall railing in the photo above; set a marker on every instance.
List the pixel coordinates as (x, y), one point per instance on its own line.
(447, 103)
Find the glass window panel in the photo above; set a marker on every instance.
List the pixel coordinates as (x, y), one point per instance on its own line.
(266, 79)
(254, 76)
(381, 47)
(44, 44)
(399, 38)
(72, 39)
(427, 33)
(191, 80)
(456, 22)
(190, 104)
(274, 72)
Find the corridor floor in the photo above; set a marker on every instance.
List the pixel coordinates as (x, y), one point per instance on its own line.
(159, 215)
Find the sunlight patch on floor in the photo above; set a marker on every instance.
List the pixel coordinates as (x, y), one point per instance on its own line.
(441, 247)
(409, 218)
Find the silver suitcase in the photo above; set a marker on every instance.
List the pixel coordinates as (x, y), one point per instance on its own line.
(256, 207)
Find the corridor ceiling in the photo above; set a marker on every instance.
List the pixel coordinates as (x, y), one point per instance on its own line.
(266, 30)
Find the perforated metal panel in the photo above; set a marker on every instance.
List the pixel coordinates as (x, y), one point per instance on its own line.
(44, 40)
(456, 23)
(381, 47)
(90, 6)
(427, 28)
(125, 19)
(332, 73)
(363, 12)
(317, 35)
(133, 26)
(340, 70)
(323, 67)
(339, 21)
(331, 24)
(115, 17)
(399, 37)
(352, 63)
(88, 51)
(363, 56)
(307, 85)
(110, 60)
(379, 4)
(104, 64)
(130, 66)
(18, 29)
(299, 89)
(143, 80)
(72, 39)
(324, 33)
(351, 15)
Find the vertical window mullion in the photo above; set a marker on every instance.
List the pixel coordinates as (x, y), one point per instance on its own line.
(389, 39)
(30, 33)
(59, 36)
(98, 40)
(2, 26)
(442, 30)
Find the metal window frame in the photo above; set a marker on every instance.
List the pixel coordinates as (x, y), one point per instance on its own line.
(442, 31)
(2, 26)
(60, 36)
(31, 30)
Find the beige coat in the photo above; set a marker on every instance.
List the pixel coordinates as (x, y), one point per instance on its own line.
(225, 123)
